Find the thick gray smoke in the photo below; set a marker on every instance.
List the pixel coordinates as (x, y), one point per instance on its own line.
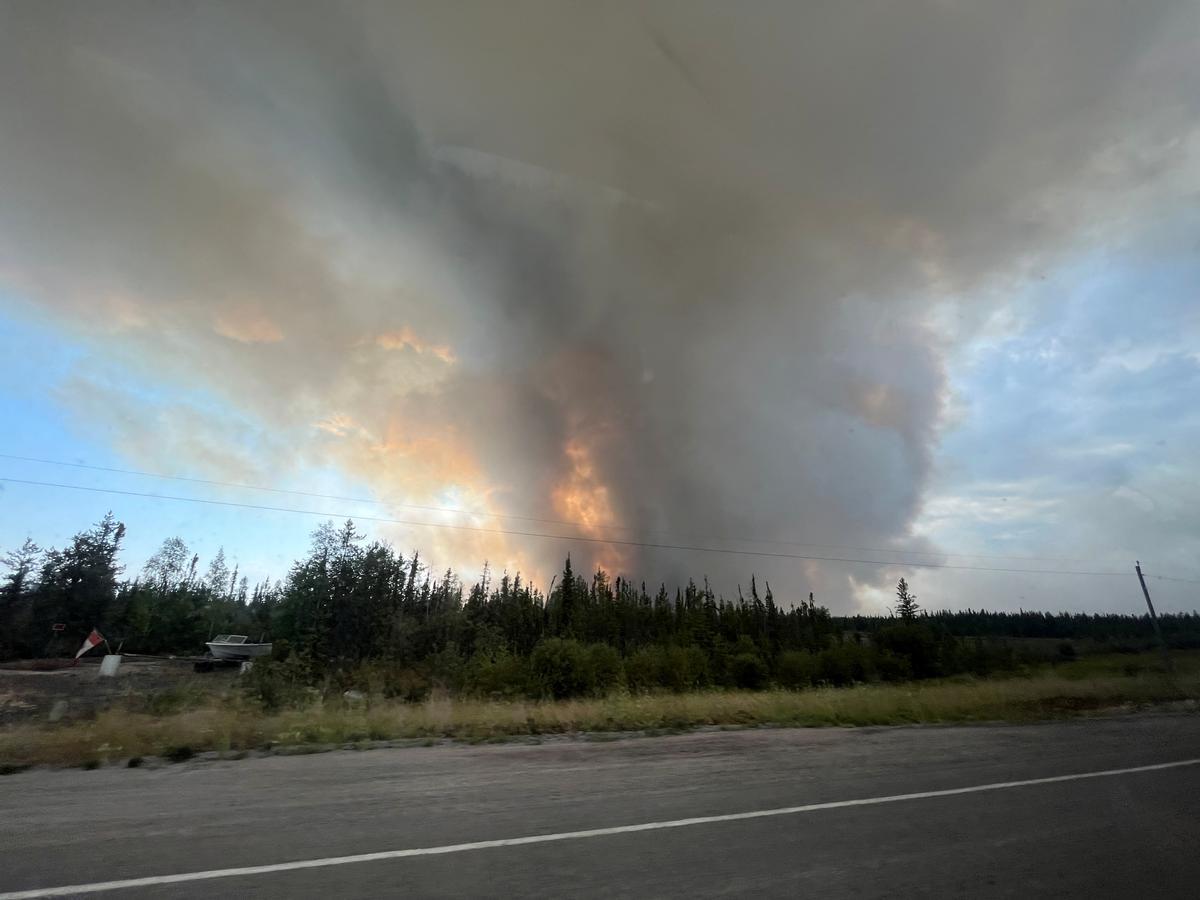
(687, 268)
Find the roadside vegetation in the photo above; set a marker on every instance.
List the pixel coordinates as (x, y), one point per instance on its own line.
(177, 726)
(369, 645)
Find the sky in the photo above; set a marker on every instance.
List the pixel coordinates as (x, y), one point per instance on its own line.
(821, 291)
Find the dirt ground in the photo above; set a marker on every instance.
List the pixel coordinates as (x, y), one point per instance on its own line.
(29, 691)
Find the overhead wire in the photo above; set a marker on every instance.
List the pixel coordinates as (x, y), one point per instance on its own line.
(1173, 578)
(538, 519)
(559, 537)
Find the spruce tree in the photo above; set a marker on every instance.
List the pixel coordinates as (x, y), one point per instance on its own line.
(906, 605)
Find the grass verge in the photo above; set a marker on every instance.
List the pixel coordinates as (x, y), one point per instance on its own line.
(230, 725)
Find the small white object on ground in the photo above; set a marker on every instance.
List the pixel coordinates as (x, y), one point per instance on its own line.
(109, 665)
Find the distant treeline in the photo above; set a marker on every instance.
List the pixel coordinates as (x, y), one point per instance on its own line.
(358, 614)
(1122, 631)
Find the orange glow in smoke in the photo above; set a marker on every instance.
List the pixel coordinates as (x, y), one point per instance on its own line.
(406, 339)
(583, 498)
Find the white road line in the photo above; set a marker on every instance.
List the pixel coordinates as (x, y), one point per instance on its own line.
(155, 880)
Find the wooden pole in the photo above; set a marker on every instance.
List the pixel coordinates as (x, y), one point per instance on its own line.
(1154, 618)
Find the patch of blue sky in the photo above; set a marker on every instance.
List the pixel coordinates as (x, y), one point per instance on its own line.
(1091, 396)
(36, 360)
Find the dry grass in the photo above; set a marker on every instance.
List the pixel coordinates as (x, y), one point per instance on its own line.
(230, 725)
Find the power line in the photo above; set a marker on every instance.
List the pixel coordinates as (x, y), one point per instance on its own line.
(1173, 578)
(544, 521)
(215, 483)
(559, 537)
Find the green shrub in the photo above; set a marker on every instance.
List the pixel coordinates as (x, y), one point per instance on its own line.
(498, 675)
(844, 664)
(605, 667)
(393, 681)
(447, 668)
(981, 657)
(687, 669)
(892, 667)
(748, 671)
(796, 669)
(642, 669)
(674, 668)
(561, 668)
(276, 685)
(408, 684)
(916, 642)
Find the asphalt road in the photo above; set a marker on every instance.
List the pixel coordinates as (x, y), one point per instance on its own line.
(1112, 836)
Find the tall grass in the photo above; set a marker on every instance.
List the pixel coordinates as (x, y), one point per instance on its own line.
(231, 725)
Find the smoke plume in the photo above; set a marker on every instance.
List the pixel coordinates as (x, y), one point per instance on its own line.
(680, 272)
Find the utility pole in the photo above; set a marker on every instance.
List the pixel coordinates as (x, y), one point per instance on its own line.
(1154, 618)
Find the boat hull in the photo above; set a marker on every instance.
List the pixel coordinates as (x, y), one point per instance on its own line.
(238, 651)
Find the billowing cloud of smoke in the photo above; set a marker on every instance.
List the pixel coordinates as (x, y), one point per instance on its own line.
(682, 268)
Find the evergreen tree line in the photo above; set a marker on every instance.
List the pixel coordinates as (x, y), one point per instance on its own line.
(357, 614)
(1121, 631)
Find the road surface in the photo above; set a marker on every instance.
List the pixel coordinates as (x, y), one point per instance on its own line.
(833, 817)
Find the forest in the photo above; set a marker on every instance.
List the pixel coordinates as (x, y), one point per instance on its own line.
(353, 613)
